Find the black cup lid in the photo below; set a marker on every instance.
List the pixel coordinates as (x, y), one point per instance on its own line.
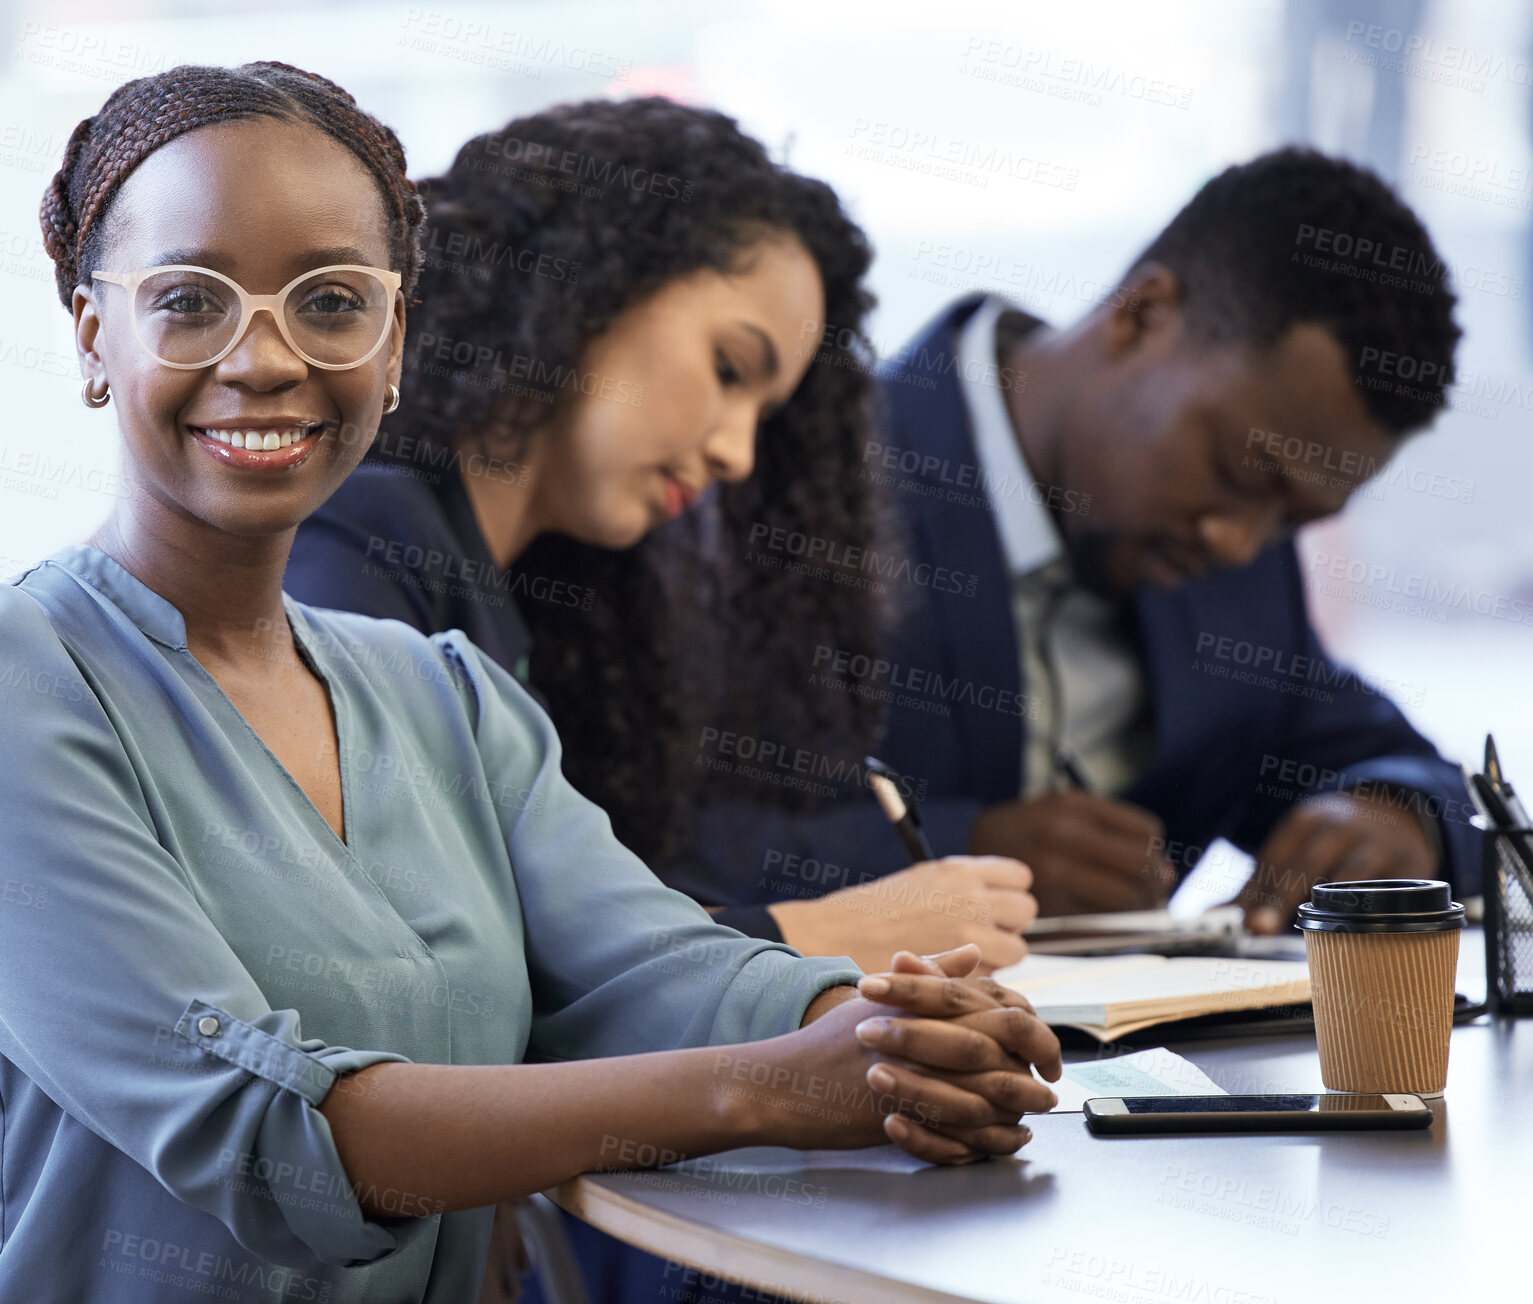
(1381, 905)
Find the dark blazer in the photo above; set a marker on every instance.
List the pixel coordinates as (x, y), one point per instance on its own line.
(403, 544)
(1250, 715)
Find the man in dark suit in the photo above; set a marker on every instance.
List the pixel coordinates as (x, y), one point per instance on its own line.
(1105, 659)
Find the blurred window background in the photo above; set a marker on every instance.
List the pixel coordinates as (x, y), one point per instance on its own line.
(1031, 148)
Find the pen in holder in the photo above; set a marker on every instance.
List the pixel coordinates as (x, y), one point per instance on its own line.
(1508, 923)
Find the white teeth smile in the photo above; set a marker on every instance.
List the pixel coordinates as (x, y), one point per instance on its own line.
(265, 440)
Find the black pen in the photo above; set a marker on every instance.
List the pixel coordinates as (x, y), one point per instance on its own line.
(1507, 814)
(1068, 766)
(902, 812)
(1494, 773)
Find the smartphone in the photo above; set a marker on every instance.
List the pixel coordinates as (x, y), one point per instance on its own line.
(1148, 1115)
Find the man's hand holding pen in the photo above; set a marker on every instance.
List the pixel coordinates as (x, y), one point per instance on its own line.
(1087, 852)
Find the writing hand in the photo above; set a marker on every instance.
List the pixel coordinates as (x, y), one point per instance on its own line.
(931, 907)
(1087, 852)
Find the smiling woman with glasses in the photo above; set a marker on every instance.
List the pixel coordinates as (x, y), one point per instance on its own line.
(302, 894)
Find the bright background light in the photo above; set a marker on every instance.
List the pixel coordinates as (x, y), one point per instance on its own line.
(1120, 109)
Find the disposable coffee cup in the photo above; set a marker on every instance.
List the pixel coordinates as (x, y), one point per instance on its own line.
(1383, 954)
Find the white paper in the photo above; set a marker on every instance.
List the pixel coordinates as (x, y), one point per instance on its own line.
(1215, 879)
(1154, 1072)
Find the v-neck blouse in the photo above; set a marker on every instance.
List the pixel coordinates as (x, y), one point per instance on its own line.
(190, 956)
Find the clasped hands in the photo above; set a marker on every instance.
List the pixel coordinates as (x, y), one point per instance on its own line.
(952, 1056)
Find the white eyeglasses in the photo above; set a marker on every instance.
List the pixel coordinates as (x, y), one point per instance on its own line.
(188, 317)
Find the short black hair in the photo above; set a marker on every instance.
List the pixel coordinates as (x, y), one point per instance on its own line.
(1296, 237)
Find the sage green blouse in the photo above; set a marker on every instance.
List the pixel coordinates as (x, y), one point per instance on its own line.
(190, 957)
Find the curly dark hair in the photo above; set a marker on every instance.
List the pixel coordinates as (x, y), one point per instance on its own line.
(143, 114)
(538, 237)
(1294, 237)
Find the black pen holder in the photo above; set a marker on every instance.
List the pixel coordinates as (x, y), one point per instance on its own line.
(1508, 926)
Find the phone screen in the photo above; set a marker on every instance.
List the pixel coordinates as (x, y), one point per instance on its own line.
(1326, 1104)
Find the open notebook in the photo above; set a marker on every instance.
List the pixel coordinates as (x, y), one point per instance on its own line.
(1110, 997)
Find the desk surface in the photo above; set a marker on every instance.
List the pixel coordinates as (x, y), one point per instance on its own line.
(1432, 1216)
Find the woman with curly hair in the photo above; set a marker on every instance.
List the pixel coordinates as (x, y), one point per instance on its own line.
(624, 303)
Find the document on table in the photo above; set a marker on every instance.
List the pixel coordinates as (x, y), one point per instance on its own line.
(1156, 1072)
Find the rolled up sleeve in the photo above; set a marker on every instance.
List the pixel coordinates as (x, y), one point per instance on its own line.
(620, 964)
(122, 1001)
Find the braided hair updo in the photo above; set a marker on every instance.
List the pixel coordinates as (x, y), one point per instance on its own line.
(143, 114)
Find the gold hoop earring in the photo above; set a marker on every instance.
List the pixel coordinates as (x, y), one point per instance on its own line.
(90, 399)
(393, 400)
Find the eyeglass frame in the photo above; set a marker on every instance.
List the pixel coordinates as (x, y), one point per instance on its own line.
(250, 304)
